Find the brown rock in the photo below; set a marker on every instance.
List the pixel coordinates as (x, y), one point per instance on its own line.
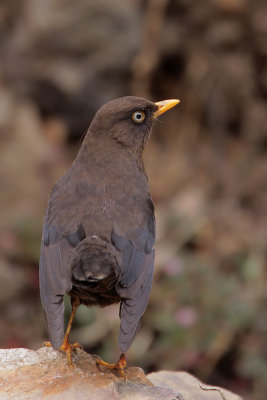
(44, 374)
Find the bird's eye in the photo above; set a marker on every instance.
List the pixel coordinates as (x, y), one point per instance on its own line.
(138, 116)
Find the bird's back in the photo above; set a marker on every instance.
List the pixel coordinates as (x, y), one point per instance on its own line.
(101, 192)
(87, 205)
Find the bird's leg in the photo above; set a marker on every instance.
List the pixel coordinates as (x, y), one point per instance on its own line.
(66, 346)
(120, 366)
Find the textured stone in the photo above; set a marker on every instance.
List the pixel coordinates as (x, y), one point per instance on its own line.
(190, 387)
(44, 374)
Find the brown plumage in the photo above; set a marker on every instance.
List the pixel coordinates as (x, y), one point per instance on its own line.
(99, 229)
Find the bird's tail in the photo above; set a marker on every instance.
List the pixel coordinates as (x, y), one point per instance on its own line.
(93, 260)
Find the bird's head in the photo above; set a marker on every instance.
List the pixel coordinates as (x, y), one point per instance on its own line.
(128, 120)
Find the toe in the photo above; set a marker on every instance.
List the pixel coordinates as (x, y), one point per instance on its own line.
(46, 344)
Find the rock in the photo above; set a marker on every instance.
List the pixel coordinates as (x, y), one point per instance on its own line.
(44, 374)
(189, 386)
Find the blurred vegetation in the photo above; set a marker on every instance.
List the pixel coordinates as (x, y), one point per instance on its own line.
(206, 161)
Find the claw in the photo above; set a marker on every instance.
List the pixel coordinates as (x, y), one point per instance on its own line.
(120, 366)
(46, 344)
(67, 348)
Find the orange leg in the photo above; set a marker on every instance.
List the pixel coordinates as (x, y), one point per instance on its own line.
(66, 346)
(120, 366)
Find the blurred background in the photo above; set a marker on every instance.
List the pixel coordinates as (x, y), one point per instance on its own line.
(60, 60)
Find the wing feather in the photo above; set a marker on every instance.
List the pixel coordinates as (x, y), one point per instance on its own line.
(54, 278)
(135, 282)
(132, 309)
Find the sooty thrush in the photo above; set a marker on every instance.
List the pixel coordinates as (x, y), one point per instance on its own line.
(99, 228)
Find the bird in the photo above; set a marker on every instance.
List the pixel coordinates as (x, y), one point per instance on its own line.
(98, 240)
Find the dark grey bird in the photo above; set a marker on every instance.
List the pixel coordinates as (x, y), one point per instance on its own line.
(99, 228)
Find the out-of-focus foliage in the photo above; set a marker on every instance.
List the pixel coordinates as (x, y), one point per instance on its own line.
(207, 164)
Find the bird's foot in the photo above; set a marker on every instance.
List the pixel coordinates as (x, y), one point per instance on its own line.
(46, 344)
(120, 366)
(67, 348)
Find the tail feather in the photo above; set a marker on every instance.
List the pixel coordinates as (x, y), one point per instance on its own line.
(94, 259)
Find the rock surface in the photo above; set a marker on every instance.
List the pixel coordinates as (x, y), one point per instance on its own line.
(44, 374)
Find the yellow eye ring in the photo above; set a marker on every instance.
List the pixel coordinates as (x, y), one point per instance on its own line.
(138, 116)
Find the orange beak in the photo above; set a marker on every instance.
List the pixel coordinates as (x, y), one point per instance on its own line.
(165, 105)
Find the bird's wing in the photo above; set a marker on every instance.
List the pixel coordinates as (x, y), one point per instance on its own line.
(137, 261)
(55, 276)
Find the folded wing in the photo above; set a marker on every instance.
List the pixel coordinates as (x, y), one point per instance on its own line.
(135, 282)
